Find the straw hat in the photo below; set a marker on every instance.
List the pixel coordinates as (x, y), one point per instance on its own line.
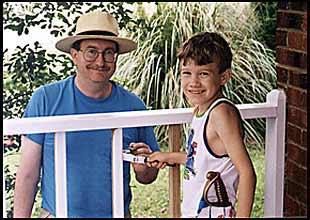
(97, 25)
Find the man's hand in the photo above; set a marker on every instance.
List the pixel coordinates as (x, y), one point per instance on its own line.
(140, 149)
(144, 174)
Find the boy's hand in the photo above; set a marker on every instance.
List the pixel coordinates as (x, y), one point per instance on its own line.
(157, 159)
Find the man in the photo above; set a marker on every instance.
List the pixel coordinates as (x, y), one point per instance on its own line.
(94, 50)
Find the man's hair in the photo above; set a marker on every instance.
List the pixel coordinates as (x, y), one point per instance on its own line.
(77, 45)
(205, 48)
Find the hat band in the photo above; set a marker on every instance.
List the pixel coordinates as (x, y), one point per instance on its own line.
(105, 33)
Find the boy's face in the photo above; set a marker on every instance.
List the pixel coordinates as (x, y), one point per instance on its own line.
(201, 84)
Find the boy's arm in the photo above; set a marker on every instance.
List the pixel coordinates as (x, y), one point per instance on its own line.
(161, 159)
(227, 125)
(27, 177)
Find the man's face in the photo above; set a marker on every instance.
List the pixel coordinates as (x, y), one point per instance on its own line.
(97, 70)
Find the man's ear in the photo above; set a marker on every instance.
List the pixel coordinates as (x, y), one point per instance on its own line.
(74, 54)
(225, 76)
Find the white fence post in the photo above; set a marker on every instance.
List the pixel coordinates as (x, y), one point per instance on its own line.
(60, 175)
(117, 173)
(274, 156)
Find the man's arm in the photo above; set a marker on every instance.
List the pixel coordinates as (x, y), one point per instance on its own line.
(27, 178)
(144, 174)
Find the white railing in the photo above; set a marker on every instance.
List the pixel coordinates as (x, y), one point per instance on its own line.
(273, 110)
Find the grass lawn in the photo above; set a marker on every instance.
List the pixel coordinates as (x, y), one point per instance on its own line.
(152, 200)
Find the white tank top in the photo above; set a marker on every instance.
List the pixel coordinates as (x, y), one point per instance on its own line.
(201, 160)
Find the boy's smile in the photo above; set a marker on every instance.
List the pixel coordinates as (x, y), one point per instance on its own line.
(201, 84)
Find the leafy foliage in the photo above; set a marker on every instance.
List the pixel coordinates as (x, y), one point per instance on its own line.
(58, 17)
(9, 186)
(266, 12)
(27, 69)
(10, 176)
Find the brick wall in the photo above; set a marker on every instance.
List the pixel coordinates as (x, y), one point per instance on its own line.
(291, 64)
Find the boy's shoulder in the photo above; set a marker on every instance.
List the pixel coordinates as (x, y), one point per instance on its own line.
(224, 110)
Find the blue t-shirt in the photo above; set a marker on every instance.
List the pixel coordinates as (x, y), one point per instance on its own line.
(89, 174)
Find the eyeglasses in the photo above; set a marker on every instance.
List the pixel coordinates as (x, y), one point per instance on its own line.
(91, 54)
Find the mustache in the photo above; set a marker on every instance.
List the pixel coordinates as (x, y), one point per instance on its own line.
(99, 68)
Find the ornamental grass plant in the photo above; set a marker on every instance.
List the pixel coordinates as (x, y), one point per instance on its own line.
(152, 71)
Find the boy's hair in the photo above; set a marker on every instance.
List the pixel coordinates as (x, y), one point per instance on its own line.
(205, 48)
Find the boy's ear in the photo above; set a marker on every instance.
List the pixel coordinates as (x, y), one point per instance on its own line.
(225, 76)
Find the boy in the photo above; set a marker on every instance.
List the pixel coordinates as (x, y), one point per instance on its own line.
(216, 161)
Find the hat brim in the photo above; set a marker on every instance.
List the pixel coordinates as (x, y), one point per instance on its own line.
(124, 45)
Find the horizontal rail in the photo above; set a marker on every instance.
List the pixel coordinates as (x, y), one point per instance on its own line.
(64, 123)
